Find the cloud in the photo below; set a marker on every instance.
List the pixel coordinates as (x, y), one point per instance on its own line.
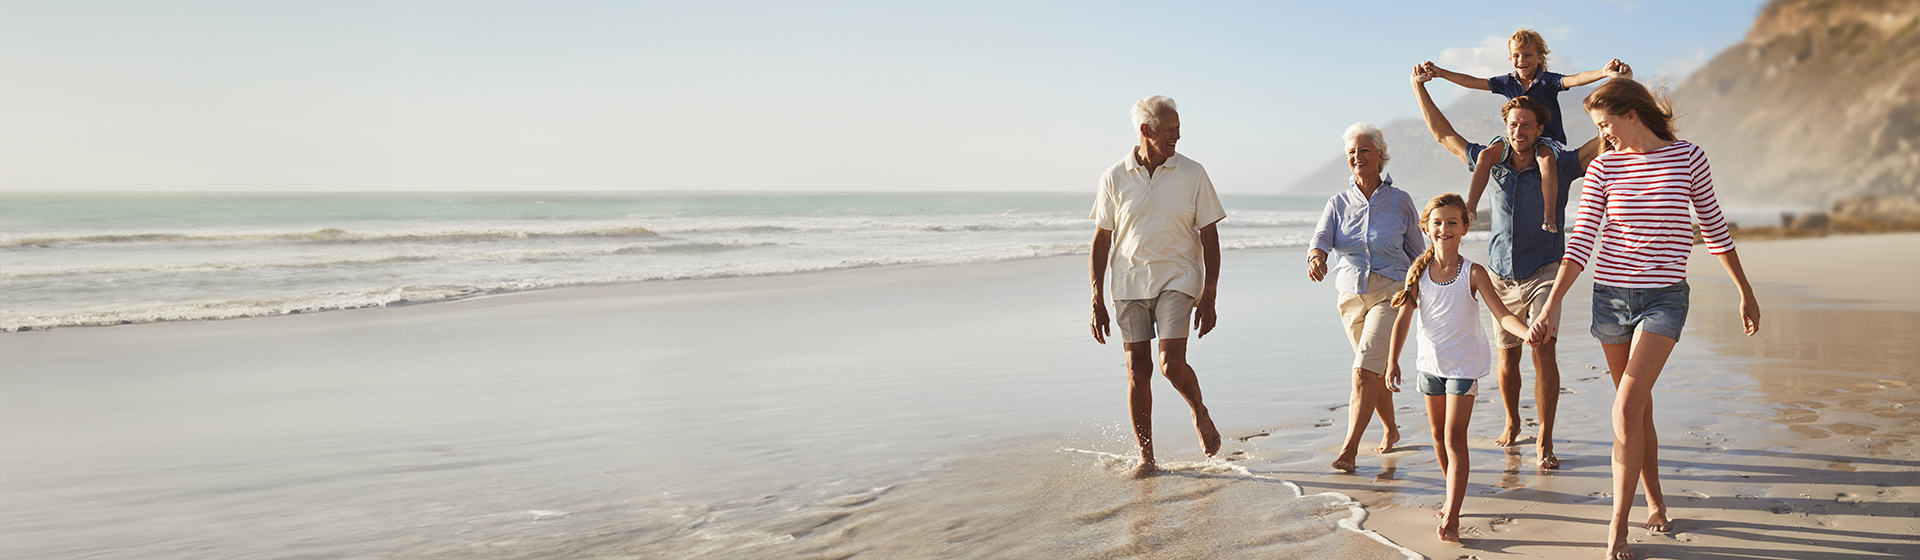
(1487, 59)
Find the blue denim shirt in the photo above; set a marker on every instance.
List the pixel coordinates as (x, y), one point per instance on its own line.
(1361, 235)
(1546, 89)
(1519, 246)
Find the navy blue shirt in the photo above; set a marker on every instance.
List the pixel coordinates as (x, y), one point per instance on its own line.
(1546, 89)
(1519, 246)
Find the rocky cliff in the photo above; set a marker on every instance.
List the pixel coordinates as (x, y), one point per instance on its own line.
(1820, 105)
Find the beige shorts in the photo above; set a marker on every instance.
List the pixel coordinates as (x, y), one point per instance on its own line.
(1369, 321)
(1138, 318)
(1524, 298)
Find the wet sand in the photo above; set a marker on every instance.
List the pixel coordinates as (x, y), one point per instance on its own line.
(1795, 443)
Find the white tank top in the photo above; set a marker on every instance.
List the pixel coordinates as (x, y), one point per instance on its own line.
(1452, 344)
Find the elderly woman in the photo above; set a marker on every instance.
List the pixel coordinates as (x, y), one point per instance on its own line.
(1372, 231)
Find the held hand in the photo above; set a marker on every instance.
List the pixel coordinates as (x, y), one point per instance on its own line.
(1422, 73)
(1204, 316)
(1617, 69)
(1317, 268)
(1543, 328)
(1101, 326)
(1750, 315)
(1393, 377)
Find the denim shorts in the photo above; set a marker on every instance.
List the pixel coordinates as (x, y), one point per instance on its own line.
(1661, 311)
(1433, 385)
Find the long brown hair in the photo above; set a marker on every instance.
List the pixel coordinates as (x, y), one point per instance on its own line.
(1620, 95)
(1410, 297)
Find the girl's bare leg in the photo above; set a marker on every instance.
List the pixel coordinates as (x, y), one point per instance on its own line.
(1459, 411)
(1383, 405)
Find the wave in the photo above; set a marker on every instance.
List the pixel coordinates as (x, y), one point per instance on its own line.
(528, 255)
(334, 235)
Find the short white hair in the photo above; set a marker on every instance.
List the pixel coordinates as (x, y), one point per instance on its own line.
(1379, 140)
(1148, 111)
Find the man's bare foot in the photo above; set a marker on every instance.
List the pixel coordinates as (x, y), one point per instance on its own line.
(1506, 438)
(1547, 460)
(1146, 469)
(1386, 443)
(1344, 463)
(1550, 227)
(1658, 523)
(1209, 435)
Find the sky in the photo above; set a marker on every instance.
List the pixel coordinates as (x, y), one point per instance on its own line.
(746, 96)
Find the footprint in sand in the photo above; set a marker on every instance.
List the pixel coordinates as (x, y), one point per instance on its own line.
(1695, 495)
(1501, 525)
(1595, 378)
(1746, 496)
(1238, 456)
(1783, 507)
(1470, 532)
(1322, 423)
(1566, 391)
(1247, 438)
(1600, 495)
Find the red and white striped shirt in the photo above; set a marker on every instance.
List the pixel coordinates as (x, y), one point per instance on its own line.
(1648, 233)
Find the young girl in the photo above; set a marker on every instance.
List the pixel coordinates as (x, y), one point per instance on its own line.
(1527, 51)
(1454, 352)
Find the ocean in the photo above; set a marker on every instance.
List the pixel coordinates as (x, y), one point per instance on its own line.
(69, 260)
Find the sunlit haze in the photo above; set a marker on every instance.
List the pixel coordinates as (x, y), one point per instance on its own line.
(724, 96)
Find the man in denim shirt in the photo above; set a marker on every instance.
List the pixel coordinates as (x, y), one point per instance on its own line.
(1524, 259)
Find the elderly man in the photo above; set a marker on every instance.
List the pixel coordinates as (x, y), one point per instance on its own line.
(1154, 220)
(1522, 257)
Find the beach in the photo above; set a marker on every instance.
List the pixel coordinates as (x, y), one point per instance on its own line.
(925, 410)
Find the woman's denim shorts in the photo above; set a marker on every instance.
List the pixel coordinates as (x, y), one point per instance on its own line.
(1661, 311)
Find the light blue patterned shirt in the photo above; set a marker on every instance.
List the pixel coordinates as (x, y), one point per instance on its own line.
(1361, 235)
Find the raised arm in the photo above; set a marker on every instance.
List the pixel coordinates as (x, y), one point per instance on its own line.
(1436, 122)
(1613, 69)
(1588, 151)
(1462, 80)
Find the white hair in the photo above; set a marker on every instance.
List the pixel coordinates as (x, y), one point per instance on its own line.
(1379, 140)
(1148, 111)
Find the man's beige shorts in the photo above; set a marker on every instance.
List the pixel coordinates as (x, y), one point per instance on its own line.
(1138, 318)
(1369, 319)
(1524, 298)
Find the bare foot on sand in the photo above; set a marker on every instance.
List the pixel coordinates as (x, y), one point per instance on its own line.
(1547, 460)
(1146, 469)
(1209, 436)
(1386, 443)
(1450, 532)
(1506, 438)
(1657, 522)
(1344, 463)
(1619, 551)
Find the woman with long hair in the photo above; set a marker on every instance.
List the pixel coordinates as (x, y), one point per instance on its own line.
(1643, 187)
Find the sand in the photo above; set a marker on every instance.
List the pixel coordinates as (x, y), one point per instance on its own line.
(922, 412)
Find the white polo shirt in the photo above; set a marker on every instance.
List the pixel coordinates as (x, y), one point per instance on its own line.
(1156, 221)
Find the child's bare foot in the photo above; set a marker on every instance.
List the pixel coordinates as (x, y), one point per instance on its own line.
(1506, 437)
(1657, 521)
(1209, 436)
(1344, 463)
(1386, 443)
(1146, 469)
